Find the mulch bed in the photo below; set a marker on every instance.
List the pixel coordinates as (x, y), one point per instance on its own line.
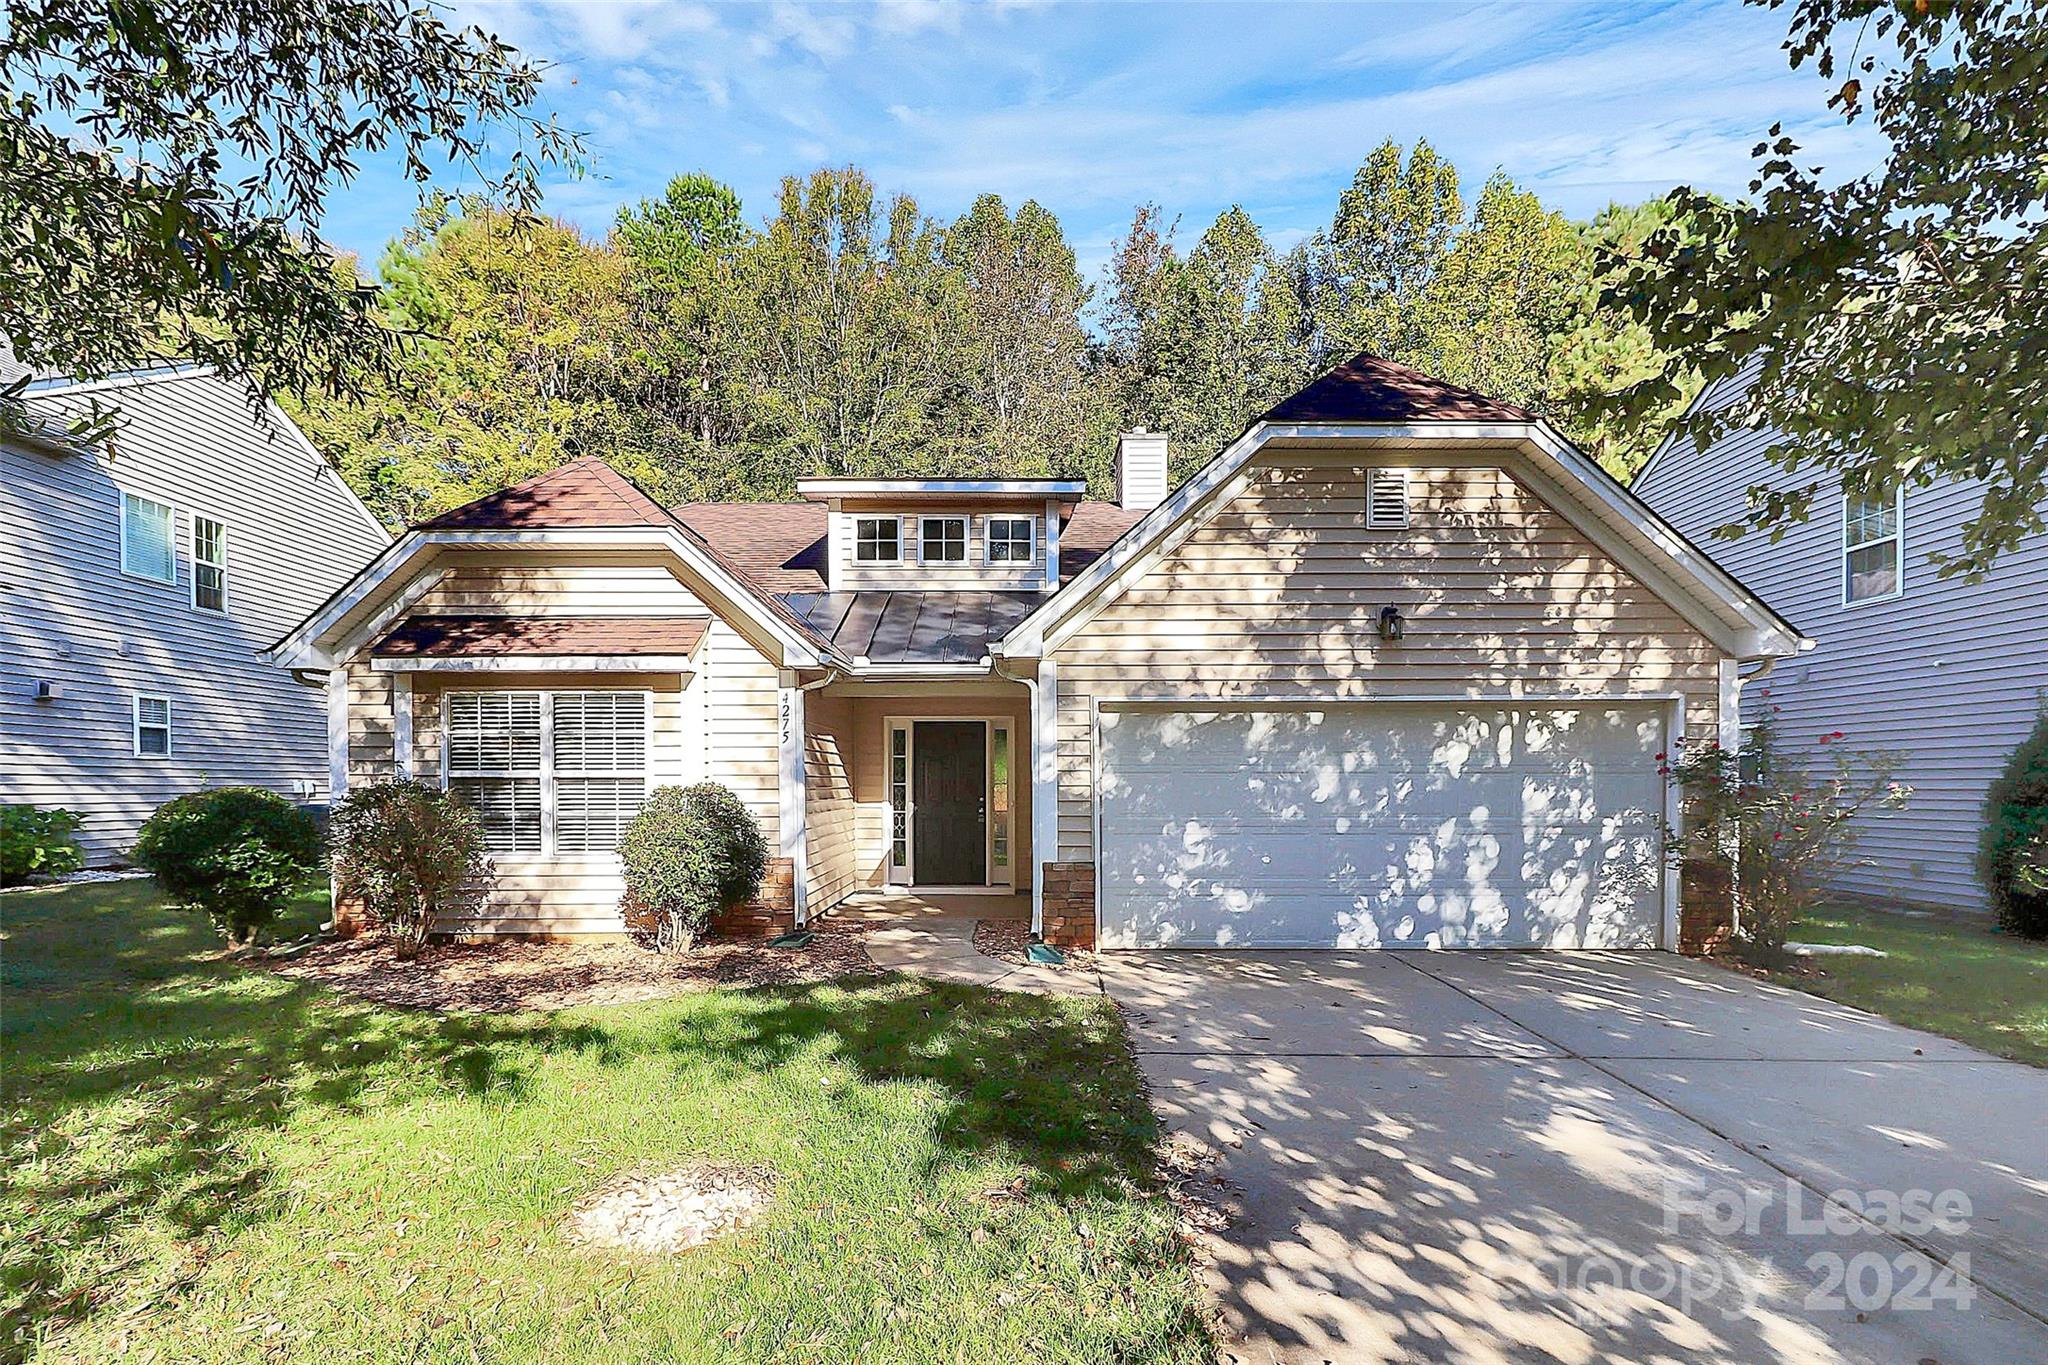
(516, 975)
(1006, 939)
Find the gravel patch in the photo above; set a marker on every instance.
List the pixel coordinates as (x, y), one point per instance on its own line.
(512, 976)
(671, 1212)
(1006, 939)
(87, 877)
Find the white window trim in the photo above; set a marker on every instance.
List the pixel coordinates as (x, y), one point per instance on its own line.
(169, 725)
(193, 518)
(858, 562)
(648, 772)
(966, 538)
(988, 540)
(1898, 543)
(122, 512)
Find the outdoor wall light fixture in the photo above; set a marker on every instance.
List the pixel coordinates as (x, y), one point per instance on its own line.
(1392, 624)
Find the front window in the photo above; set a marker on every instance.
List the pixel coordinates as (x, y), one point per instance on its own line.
(148, 543)
(1009, 540)
(153, 726)
(942, 540)
(555, 774)
(878, 540)
(209, 564)
(1873, 545)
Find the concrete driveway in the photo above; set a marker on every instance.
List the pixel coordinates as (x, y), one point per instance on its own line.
(1482, 1156)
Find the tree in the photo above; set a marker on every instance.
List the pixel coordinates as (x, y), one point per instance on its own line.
(1368, 274)
(1889, 328)
(163, 176)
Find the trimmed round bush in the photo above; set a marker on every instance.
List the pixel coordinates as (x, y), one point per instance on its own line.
(237, 854)
(2013, 859)
(409, 854)
(37, 843)
(689, 853)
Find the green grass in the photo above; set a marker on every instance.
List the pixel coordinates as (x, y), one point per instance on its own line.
(1964, 981)
(207, 1162)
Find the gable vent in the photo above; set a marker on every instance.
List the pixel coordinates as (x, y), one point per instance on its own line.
(1386, 499)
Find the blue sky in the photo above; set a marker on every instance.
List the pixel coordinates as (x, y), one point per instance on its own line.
(1091, 108)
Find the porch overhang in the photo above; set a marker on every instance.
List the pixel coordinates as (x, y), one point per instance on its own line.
(527, 644)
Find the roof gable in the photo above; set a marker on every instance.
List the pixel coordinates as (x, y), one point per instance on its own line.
(585, 492)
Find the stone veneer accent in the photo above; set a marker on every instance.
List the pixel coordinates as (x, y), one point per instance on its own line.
(1706, 902)
(768, 914)
(1069, 904)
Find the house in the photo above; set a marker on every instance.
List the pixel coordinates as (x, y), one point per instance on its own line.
(1399, 666)
(1946, 673)
(141, 578)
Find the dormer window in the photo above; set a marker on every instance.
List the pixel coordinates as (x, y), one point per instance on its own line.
(942, 540)
(878, 540)
(1010, 540)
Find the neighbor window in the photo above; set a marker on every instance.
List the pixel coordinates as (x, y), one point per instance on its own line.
(209, 564)
(1009, 540)
(1386, 499)
(1872, 548)
(148, 540)
(877, 540)
(153, 726)
(942, 540)
(548, 773)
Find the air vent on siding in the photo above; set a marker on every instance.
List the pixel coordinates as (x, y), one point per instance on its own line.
(1386, 499)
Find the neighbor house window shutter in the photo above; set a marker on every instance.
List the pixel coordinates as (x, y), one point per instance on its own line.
(1386, 499)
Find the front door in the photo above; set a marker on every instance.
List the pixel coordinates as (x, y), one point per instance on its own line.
(949, 795)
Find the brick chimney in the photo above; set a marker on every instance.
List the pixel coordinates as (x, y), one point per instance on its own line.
(1141, 469)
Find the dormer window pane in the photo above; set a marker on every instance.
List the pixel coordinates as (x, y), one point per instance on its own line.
(943, 540)
(877, 540)
(1009, 540)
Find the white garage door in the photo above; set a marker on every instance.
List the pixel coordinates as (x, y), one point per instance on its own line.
(1382, 824)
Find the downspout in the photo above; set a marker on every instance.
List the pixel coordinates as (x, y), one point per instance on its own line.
(1031, 686)
(799, 850)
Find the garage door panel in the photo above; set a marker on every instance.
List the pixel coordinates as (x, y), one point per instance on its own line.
(1380, 825)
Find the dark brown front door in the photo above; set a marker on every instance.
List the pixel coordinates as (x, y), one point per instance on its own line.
(949, 789)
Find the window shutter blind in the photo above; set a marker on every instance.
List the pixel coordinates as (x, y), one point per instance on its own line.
(508, 808)
(148, 544)
(600, 765)
(1386, 499)
(494, 731)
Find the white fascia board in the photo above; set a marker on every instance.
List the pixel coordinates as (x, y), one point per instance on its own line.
(310, 646)
(1068, 610)
(952, 488)
(537, 663)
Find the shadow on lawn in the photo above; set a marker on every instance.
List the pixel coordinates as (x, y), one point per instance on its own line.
(138, 1061)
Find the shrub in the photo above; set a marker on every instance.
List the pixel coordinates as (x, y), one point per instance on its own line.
(409, 854)
(689, 853)
(2013, 858)
(1786, 820)
(37, 843)
(234, 853)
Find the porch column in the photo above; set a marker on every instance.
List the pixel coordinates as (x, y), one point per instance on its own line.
(401, 726)
(795, 846)
(1045, 784)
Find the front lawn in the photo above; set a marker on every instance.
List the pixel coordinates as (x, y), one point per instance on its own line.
(208, 1162)
(1962, 980)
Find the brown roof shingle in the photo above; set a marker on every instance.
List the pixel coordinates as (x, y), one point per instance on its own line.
(585, 492)
(1366, 388)
(448, 637)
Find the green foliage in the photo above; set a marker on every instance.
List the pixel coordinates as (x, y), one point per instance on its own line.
(2013, 858)
(689, 853)
(164, 172)
(37, 843)
(1888, 327)
(1786, 816)
(236, 854)
(410, 855)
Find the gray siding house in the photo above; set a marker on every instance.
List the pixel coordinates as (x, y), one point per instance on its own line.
(140, 581)
(1947, 673)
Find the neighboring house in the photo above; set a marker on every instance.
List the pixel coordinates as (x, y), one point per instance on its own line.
(1399, 666)
(1948, 674)
(141, 579)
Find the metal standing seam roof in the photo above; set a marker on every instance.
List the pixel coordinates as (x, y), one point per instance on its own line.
(909, 627)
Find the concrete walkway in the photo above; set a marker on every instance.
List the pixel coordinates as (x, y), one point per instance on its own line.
(1591, 1157)
(942, 949)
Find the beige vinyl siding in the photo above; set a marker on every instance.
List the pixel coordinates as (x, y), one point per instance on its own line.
(973, 573)
(742, 748)
(830, 814)
(541, 584)
(870, 721)
(1279, 596)
(71, 618)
